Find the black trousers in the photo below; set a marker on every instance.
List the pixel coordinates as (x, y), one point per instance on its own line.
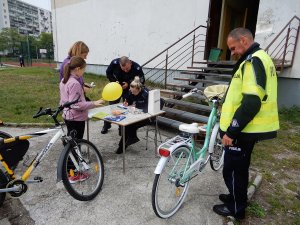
(131, 130)
(236, 174)
(78, 126)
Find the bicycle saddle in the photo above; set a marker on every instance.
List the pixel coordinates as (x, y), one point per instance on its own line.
(192, 128)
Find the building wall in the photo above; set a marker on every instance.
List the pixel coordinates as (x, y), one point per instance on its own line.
(4, 14)
(138, 29)
(28, 19)
(273, 15)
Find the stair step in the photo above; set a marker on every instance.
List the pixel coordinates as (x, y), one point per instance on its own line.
(185, 115)
(201, 80)
(190, 105)
(194, 72)
(178, 93)
(211, 68)
(184, 86)
(221, 63)
(168, 122)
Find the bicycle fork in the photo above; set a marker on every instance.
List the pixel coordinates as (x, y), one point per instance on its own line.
(79, 157)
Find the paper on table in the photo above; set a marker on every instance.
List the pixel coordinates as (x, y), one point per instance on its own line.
(100, 115)
(115, 118)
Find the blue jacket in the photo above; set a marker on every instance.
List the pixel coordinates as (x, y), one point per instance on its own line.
(115, 73)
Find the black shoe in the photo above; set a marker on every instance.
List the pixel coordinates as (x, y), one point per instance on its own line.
(105, 129)
(224, 211)
(132, 140)
(120, 150)
(225, 198)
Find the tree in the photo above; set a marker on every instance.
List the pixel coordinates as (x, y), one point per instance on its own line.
(46, 42)
(10, 40)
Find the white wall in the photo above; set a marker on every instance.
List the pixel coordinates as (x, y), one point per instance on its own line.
(111, 28)
(273, 15)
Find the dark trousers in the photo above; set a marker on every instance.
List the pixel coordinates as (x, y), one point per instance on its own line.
(131, 130)
(236, 174)
(78, 126)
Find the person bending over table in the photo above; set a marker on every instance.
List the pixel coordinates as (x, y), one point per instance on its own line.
(122, 70)
(138, 98)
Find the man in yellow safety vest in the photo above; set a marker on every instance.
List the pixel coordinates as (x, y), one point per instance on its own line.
(249, 114)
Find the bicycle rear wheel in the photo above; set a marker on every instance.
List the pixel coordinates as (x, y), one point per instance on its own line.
(83, 171)
(216, 149)
(167, 194)
(3, 178)
(3, 183)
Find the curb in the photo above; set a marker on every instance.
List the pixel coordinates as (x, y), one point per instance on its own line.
(254, 185)
(26, 124)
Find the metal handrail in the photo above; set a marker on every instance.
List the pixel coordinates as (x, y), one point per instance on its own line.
(284, 44)
(175, 56)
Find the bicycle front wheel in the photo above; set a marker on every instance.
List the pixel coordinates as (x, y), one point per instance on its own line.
(83, 171)
(216, 149)
(168, 193)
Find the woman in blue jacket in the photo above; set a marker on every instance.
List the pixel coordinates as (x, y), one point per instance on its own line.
(138, 98)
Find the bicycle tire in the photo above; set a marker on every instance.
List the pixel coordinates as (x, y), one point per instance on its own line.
(4, 135)
(216, 149)
(85, 189)
(3, 178)
(164, 188)
(3, 183)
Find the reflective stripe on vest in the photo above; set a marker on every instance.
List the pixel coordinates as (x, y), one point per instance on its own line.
(244, 82)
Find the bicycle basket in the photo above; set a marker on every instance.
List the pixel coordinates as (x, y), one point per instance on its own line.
(215, 91)
(13, 152)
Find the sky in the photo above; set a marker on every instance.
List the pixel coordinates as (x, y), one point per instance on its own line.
(45, 4)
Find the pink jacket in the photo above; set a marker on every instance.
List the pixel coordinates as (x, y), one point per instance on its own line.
(69, 92)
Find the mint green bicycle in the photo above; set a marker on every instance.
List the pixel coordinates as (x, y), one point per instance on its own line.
(181, 160)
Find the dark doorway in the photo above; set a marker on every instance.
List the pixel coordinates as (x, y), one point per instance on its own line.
(225, 15)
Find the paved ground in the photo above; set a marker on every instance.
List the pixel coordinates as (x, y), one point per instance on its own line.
(124, 199)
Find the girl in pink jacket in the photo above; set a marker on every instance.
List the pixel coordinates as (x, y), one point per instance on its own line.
(71, 89)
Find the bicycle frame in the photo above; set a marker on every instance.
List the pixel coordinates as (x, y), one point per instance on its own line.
(36, 161)
(198, 155)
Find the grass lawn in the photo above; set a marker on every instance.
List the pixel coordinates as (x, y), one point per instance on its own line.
(277, 201)
(24, 90)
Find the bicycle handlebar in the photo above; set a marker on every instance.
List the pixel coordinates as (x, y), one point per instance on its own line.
(54, 113)
(195, 90)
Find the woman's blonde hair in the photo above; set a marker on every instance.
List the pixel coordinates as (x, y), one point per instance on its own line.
(78, 48)
(75, 61)
(136, 83)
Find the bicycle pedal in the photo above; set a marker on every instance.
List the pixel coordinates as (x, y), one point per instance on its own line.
(38, 179)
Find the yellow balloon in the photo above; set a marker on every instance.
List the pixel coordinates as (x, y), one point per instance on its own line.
(112, 91)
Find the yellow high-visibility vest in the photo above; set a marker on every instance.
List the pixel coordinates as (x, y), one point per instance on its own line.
(244, 82)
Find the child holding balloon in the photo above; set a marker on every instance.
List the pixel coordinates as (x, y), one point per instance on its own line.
(70, 89)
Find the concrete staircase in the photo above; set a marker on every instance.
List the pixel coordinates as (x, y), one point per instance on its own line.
(195, 108)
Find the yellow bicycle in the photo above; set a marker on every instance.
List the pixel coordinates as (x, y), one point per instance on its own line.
(80, 165)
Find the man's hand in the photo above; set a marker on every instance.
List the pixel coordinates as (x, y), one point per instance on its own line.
(227, 141)
(124, 85)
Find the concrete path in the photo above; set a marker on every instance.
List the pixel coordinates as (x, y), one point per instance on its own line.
(124, 199)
